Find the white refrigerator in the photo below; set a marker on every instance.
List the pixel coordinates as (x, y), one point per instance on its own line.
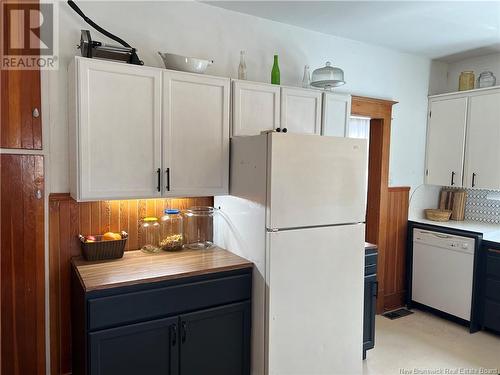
(297, 209)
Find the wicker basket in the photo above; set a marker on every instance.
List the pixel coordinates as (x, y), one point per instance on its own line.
(437, 215)
(101, 250)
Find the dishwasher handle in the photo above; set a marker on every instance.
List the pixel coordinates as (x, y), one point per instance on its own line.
(435, 234)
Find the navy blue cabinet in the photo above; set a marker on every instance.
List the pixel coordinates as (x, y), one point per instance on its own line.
(142, 348)
(490, 286)
(370, 300)
(214, 341)
(195, 325)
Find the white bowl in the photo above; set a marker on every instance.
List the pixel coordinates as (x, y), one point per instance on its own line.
(184, 63)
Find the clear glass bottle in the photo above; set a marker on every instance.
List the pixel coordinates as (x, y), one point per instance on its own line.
(199, 227)
(149, 233)
(306, 79)
(242, 68)
(171, 231)
(275, 72)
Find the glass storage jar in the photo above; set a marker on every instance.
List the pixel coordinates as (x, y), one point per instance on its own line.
(149, 233)
(466, 80)
(199, 227)
(171, 230)
(486, 79)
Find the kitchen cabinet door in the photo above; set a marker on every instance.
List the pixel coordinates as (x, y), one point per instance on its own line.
(195, 134)
(336, 114)
(216, 341)
(446, 141)
(483, 142)
(115, 131)
(22, 265)
(144, 348)
(20, 114)
(369, 312)
(301, 110)
(256, 107)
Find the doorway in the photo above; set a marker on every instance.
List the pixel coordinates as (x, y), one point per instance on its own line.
(385, 220)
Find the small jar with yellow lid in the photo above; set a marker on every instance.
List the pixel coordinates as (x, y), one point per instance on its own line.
(149, 235)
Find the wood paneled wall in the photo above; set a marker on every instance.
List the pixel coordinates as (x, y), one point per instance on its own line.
(22, 260)
(395, 250)
(67, 219)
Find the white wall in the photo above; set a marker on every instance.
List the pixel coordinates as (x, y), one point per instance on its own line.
(201, 30)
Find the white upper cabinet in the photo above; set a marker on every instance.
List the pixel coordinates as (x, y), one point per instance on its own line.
(256, 107)
(195, 134)
(301, 110)
(446, 141)
(142, 132)
(336, 114)
(115, 135)
(482, 167)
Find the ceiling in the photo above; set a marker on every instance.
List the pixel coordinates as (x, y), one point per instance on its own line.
(444, 30)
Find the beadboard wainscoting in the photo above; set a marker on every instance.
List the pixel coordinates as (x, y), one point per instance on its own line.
(68, 218)
(394, 291)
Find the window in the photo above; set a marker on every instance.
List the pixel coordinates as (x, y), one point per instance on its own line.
(359, 127)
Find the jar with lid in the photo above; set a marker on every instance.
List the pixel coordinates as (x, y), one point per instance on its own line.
(486, 79)
(149, 233)
(199, 227)
(466, 80)
(171, 227)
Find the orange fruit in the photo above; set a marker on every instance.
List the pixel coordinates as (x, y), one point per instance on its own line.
(110, 236)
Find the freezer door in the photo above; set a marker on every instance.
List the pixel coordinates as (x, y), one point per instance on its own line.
(315, 282)
(316, 180)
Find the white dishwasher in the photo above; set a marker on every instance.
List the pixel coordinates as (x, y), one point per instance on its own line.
(443, 267)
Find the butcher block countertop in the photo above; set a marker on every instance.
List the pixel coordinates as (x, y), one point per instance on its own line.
(137, 267)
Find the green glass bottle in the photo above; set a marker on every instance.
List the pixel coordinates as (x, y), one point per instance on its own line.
(275, 73)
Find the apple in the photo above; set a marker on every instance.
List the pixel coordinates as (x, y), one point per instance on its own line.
(90, 239)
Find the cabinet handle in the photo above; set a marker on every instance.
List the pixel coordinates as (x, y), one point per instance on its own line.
(168, 178)
(494, 251)
(375, 284)
(174, 334)
(184, 331)
(158, 173)
(35, 113)
(452, 178)
(473, 179)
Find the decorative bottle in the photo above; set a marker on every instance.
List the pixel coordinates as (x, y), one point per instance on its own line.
(275, 72)
(306, 80)
(242, 68)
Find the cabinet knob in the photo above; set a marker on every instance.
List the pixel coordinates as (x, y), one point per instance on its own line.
(38, 194)
(36, 113)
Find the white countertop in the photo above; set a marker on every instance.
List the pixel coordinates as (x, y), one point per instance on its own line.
(490, 232)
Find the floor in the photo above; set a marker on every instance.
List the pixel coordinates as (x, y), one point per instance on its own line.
(422, 343)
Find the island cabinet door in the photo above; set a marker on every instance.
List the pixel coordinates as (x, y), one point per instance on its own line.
(216, 341)
(145, 348)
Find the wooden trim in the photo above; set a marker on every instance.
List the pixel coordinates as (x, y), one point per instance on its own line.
(395, 189)
(380, 113)
(68, 218)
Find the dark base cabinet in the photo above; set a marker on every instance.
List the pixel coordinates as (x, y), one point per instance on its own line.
(370, 301)
(205, 332)
(490, 287)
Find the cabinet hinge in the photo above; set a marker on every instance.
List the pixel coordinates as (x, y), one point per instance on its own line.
(430, 114)
(426, 172)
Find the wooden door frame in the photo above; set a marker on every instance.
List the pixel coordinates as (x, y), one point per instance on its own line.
(380, 113)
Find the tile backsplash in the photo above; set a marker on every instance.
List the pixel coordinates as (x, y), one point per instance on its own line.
(483, 205)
